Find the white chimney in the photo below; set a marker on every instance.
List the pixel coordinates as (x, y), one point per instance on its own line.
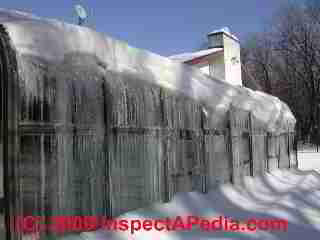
(228, 66)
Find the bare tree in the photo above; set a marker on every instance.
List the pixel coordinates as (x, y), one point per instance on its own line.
(285, 61)
(257, 61)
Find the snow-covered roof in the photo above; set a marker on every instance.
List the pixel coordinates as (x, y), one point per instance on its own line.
(185, 57)
(224, 30)
(54, 41)
(15, 15)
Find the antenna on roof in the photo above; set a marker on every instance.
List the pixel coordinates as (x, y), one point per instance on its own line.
(81, 13)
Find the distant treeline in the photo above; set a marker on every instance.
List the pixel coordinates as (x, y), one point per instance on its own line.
(284, 60)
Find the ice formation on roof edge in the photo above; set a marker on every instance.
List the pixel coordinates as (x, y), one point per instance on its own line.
(51, 39)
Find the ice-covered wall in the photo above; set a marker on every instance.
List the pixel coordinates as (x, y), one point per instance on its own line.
(104, 128)
(53, 40)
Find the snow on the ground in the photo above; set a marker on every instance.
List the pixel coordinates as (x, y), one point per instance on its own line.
(308, 160)
(293, 195)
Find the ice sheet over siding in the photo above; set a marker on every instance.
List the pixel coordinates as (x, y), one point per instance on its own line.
(53, 40)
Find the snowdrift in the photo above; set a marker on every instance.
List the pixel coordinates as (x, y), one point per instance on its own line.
(287, 195)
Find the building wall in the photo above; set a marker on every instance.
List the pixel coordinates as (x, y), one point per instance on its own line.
(217, 60)
(232, 66)
(219, 66)
(227, 64)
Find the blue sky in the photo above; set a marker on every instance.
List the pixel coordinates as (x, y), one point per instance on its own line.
(165, 27)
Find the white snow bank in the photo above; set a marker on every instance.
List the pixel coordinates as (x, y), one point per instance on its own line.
(292, 195)
(53, 40)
